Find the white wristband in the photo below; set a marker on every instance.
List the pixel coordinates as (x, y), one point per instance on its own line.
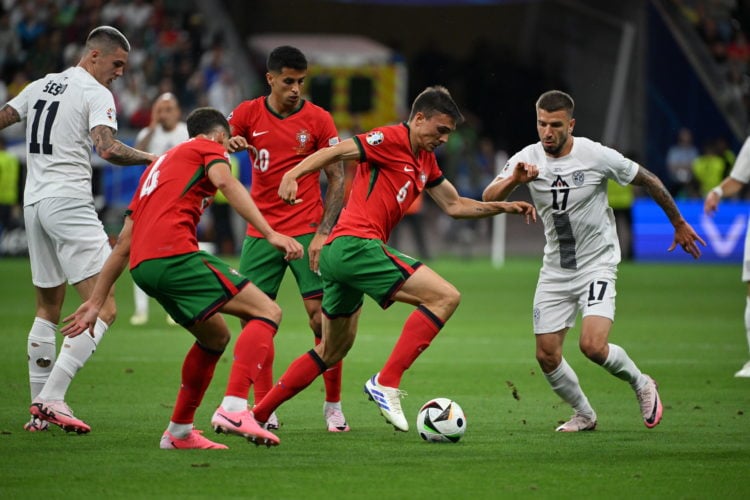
(718, 191)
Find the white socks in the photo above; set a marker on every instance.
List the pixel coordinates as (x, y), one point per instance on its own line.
(73, 355)
(619, 364)
(41, 352)
(141, 301)
(233, 403)
(747, 321)
(564, 382)
(180, 431)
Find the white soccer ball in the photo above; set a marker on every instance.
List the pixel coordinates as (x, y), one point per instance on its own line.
(441, 420)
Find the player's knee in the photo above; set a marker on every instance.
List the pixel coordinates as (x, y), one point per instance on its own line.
(221, 341)
(316, 325)
(272, 312)
(450, 299)
(593, 350)
(548, 361)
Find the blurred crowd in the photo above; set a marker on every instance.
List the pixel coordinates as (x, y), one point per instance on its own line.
(171, 51)
(723, 27)
(174, 51)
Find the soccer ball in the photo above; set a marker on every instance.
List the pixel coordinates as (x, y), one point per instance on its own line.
(441, 420)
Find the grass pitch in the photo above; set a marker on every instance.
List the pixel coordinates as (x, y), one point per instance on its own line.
(682, 324)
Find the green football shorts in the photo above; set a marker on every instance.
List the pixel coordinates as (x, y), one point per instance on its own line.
(352, 267)
(191, 287)
(265, 266)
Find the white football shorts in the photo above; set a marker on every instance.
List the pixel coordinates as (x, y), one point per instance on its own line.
(557, 302)
(66, 241)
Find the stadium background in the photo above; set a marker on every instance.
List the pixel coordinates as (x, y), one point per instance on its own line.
(639, 70)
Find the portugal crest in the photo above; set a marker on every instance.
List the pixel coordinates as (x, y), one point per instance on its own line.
(303, 141)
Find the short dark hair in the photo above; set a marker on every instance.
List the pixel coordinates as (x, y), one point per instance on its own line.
(107, 38)
(205, 121)
(286, 56)
(434, 100)
(555, 100)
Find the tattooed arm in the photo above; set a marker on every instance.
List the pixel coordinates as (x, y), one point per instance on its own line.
(116, 152)
(656, 190)
(459, 207)
(684, 234)
(334, 200)
(8, 116)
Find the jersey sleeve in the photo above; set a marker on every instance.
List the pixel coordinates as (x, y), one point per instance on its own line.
(434, 174)
(617, 167)
(213, 155)
(328, 135)
(507, 169)
(101, 108)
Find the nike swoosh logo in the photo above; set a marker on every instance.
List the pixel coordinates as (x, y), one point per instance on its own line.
(234, 423)
(407, 169)
(256, 134)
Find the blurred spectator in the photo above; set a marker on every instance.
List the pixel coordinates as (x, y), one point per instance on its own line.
(10, 176)
(621, 200)
(709, 168)
(224, 93)
(165, 130)
(31, 25)
(113, 13)
(136, 14)
(680, 157)
(10, 45)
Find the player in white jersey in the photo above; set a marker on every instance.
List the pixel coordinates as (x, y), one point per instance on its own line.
(567, 177)
(66, 114)
(738, 178)
(165, 131)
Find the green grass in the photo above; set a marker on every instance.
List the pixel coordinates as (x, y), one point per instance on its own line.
(681, 323)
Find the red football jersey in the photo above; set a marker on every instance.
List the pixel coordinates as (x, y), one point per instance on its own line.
(172, 194)
(278, 144)
(388, 180)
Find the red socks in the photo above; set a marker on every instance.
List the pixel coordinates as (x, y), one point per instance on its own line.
(197, 372)
(420, 328)
(299, 375)
(332, 380)
(254, 348)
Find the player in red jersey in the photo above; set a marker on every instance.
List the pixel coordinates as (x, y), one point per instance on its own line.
(397, 163)
(279, 130)
(159, 242)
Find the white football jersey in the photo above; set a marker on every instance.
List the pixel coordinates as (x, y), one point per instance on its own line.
(570, 195)
(741, 168)
(60, 110)
(163, 140)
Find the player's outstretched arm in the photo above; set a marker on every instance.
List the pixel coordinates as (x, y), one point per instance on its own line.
(728, 187)
(221, 176)
(684, 234)
(85, 316)
(114, 151)
(345, 150)
(459, 207)
(500, 188)
(8, 116)
(334, 201)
